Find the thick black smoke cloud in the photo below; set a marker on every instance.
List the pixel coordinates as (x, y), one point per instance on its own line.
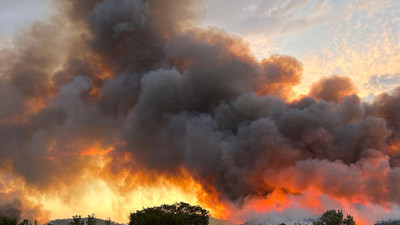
(180, 96)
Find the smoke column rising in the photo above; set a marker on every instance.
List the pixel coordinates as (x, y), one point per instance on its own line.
(137, 84)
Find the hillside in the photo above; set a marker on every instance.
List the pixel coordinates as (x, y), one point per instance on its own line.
(213, 221)
(68, 220)
(390, 222)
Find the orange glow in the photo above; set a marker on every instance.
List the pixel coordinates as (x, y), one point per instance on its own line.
(124, 190)
(31, 106)
(116, 193)
(97, 151)
(395, 147)
(14, 187)
(34, 105)
(101, 72)
(312, 200)
(276, 201)
(169, 189)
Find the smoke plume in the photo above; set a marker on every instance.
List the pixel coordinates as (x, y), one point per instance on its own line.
(11, 209)
(136, 83)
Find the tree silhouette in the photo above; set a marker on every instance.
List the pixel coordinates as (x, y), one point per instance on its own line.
(91, 220)
(333, 217)
(25, 222)
(7, 221)
(108, 221)
(77, 220)
(176, 214)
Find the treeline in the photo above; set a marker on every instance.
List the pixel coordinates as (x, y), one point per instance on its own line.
(13, 221)
(330, 217)
(91, 220)
(76, 220)
(7, 221)
(180, 214)
(175, 214)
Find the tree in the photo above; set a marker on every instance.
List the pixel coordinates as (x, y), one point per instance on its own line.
(333, 217)
(91, 220)
(25, 222)
(108, 221)
(176, 214)
(7, 221)
(77, 220)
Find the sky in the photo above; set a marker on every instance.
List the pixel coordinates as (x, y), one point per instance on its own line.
(16, 14)
(355, 38)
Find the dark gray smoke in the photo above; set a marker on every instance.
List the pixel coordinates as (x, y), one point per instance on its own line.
(14, 204)
(139, 76)
(11, 209)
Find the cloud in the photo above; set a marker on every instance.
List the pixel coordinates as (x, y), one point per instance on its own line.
(364, 46)
(267, 17)
(382, 83)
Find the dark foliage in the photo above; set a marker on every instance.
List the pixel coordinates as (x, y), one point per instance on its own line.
(7, 221)
(333, 217)
(91, 220)
(176, 214)
(108, 221)
(25, 222)
(77, 220)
